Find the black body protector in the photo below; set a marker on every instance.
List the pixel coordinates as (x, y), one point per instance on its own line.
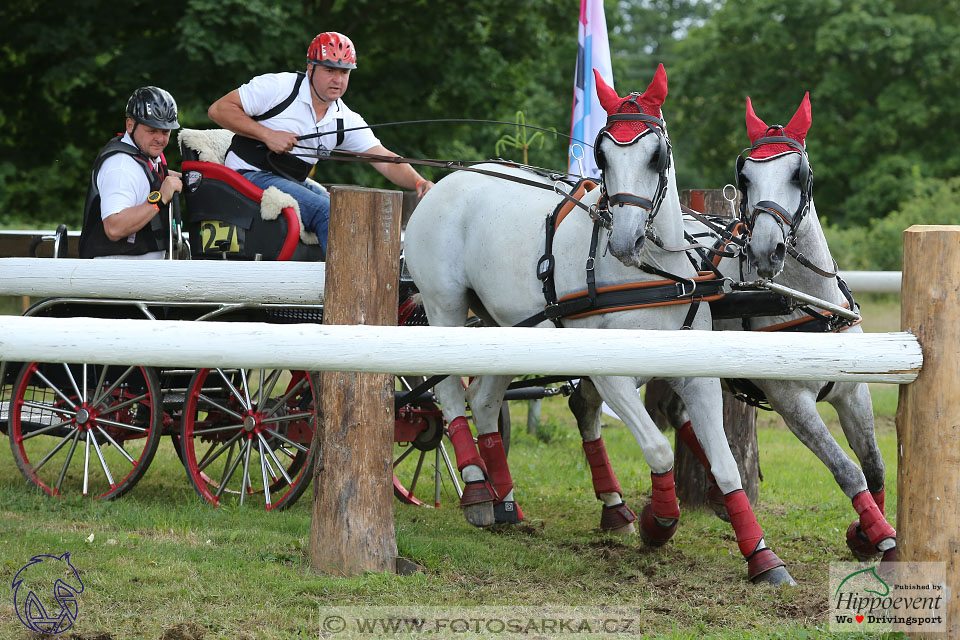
(256, 152)
(152, 237)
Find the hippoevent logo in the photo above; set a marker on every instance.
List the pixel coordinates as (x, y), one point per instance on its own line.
(908, 597)
(45, 594)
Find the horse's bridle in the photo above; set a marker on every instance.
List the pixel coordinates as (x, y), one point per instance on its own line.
(658, 127)
(781, 215)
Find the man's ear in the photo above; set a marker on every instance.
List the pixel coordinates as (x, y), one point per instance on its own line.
(130, 123)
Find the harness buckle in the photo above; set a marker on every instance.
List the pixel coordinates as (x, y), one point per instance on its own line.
(545, 267)
(552, 311)
(591, 264)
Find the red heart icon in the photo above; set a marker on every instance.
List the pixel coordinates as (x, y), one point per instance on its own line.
(859, 618)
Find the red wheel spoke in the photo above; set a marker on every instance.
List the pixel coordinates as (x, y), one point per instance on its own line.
(66, 463)
(265, 446)
(119, 448)
(217, 405)
(53, 451)
(54, 388)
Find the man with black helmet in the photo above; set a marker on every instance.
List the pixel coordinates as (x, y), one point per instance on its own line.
(126, 212)
(269, 112)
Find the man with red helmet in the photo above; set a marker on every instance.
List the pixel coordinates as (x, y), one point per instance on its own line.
(268, 114)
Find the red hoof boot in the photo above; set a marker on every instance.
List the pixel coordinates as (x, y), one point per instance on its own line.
(859, 543)
(765, 566)
(617, 519)
(507, 512)
(652, 529)
(477, 503)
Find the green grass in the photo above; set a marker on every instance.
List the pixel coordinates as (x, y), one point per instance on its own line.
(162, 564)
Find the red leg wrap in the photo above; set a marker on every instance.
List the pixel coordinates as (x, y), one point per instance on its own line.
(493, 454)
(872, 522)
(463, 446)
(879, 498)
(744, 523)
(664, 495)
(604, 480)
(690, 439)
(714, 495)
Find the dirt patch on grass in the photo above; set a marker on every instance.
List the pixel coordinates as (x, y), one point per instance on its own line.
(184, 631)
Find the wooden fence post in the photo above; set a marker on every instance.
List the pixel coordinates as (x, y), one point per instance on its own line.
(739, 419)
(928, 414)
(352, 528)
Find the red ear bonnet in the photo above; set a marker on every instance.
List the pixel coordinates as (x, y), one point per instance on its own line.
(649, 101)
(797, 130)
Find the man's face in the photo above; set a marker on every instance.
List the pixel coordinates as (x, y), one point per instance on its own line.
(330, 82)
(150, 140)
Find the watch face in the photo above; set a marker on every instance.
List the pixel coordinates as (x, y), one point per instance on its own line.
(154, 197)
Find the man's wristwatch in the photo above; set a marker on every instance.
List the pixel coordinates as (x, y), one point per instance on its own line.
(155, 197)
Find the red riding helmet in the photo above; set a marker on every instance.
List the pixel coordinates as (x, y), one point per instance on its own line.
(332, 49)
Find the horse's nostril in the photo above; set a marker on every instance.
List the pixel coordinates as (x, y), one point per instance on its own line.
(779, 253)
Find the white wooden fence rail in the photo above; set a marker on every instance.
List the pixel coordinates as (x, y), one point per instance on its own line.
(164, 280)
(874, 357)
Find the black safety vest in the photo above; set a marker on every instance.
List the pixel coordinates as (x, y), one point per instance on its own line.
(256, 152)
(152, 237)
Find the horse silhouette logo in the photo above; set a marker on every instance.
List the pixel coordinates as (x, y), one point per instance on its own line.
(41, 582)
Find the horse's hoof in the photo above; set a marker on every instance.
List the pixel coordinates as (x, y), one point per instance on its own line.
(716, 502)
(477, 503)
(775, 576)
(859, 544)
(888, 563)
(479, 515)
(618, 520)
(765, 566)
(653, 531)
(507, 512)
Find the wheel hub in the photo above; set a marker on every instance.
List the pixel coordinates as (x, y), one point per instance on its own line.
(250, 423)
(83, 416)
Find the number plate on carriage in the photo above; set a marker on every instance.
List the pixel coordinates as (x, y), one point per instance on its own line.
(217, 236)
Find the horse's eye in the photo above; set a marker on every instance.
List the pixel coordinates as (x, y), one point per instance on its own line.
(655, 158)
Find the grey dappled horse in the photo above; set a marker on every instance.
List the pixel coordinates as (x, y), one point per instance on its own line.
(476, 242)
(785, 242)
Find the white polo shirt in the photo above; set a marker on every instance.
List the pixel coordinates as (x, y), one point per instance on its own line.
(122, 184)
(264, 92)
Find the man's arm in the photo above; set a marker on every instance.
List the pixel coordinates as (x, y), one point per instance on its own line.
(228, 113)
(402, 175)
(130, 220)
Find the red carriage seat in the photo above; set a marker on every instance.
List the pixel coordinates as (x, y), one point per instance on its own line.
(231, 217)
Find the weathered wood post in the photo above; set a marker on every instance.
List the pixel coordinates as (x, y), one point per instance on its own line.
(739, 418)
(352, 527)
(928, 414)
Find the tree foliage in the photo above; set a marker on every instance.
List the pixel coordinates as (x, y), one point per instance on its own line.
(69, 69)
(882, 76)
(882, 79)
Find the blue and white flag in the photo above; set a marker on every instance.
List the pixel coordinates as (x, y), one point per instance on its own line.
(593, 52)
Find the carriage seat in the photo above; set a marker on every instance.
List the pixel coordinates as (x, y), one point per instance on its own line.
(230, 215)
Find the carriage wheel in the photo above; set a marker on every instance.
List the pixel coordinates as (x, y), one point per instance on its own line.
(247, 435)
(424, 468)
(84, 428)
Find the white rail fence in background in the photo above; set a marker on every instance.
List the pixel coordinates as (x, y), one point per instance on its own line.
(873, 281)
(223, 281)
(164, 280)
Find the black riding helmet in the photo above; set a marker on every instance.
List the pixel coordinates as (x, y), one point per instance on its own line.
(153, 107)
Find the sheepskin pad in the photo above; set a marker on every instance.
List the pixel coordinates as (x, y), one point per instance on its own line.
(212, 144)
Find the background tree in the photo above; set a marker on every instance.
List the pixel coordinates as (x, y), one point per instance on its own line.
(882, 77)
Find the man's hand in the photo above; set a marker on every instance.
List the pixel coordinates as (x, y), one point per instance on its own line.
(171, 184)
(279, 141)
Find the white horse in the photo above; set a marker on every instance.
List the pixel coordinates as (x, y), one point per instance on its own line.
(785, 243)
(478, 242)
